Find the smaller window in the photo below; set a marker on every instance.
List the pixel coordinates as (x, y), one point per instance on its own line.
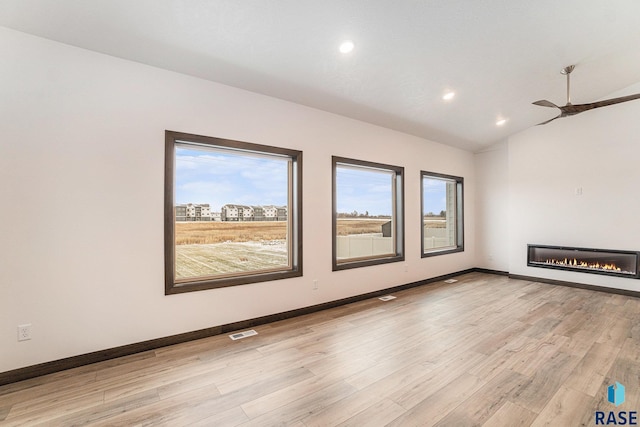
(442, 214)
(368, 225)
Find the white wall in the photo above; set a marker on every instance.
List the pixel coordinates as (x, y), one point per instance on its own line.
(492, 208)
(82, 137)
(597, 151)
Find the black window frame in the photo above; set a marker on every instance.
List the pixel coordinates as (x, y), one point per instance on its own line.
(459, 214)
(295, 199)
(398, 215)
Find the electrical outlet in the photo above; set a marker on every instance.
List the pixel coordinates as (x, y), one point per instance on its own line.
(406, 268)
(315, 284)
(24, 332)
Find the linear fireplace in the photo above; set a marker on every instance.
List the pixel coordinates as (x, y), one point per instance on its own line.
(585, 260)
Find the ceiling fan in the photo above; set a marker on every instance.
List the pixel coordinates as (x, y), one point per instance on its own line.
(570, 109)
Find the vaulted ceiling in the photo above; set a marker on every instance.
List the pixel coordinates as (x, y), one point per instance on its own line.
(498, 56)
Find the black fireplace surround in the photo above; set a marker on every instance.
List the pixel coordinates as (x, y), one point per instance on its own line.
(585, 260)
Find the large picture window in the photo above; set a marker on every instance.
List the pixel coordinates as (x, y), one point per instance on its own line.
(232, 213)
(442, 214)
(368, 214)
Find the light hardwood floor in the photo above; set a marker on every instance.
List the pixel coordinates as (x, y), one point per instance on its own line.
(487, 350)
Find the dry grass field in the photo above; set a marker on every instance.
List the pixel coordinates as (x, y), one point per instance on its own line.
(348, 227)
(202, 233)
(435, 222)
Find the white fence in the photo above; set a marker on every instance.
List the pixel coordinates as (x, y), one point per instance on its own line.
(435, 238)
(363, 245)
(435, 242)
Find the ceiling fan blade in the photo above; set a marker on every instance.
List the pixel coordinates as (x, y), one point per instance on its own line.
(570, 110)
(550, 120)
(612, 101)
(545, 103)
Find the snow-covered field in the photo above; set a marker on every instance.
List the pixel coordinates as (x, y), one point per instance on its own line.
(229, 257)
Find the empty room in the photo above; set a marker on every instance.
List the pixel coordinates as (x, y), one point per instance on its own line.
(338, 213)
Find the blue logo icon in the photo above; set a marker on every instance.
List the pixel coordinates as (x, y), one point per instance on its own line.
(615, 394)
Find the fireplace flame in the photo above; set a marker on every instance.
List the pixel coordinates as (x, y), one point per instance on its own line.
(578, 263)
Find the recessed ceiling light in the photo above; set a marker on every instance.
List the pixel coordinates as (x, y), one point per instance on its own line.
(448, 96)
(346, 46)
(501, 122)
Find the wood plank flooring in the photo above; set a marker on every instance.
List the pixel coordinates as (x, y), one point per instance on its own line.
(485, 351)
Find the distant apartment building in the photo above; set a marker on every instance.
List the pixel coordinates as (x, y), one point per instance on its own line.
(247, 213)
(181, 213)
(230, 212)
(258, 213)
(193, 212)
(270, 213)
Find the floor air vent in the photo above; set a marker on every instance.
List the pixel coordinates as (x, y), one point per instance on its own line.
(244, 334)
(387, 298)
